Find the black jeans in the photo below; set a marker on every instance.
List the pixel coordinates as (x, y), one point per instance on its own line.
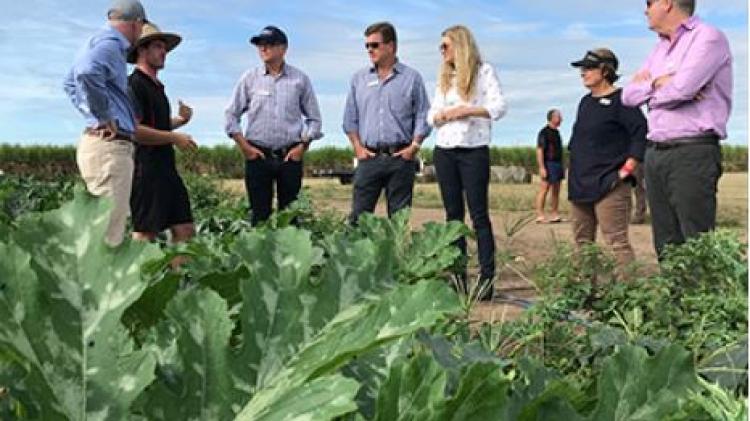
(466, 172)
(682, 185)
(260, 176)
(394, 174)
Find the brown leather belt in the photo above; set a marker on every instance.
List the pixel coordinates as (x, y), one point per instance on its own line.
(118, 136)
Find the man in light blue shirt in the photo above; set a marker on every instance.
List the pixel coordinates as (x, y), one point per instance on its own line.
(386, 121)
(97, 85)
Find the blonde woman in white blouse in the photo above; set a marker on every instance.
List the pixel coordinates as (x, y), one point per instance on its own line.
(468, 97)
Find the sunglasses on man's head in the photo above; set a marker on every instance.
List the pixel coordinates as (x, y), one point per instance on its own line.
(372, 45)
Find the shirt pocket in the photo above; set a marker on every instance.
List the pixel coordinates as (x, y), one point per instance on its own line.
(400, 103)
(260, 100)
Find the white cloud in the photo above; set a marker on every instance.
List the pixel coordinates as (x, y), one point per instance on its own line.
(577, 32)
(531, 44)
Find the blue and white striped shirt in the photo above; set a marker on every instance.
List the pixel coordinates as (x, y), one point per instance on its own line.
(97, 84)
(388, 112)
(280, 110)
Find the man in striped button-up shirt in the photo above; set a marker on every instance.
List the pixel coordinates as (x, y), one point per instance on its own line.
(283, 117)
(386, 121)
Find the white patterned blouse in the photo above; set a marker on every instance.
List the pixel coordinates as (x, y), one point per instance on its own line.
(470, 132)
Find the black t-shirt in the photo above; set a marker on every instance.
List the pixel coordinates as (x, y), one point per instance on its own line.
(551, 143)
(605, 134)
(151, 109)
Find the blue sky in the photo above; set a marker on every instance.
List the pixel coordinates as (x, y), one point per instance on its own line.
(531, 43)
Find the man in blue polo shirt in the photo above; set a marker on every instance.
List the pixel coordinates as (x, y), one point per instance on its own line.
(97, 85)
(386, 121)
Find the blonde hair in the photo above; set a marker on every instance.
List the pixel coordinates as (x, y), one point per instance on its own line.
(466, 62)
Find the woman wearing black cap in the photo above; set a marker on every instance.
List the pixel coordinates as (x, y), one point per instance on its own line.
(607, 144)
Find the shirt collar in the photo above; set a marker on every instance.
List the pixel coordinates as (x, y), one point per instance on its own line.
(264, 70)
(147, 77)
(398, 67)
(690, 23)
(687, 25)
(124, 43)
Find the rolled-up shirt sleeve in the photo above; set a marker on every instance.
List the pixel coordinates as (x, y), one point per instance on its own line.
(91, 75)
(492, 94)
(69, 86)
(237, 106)
(422, 105)
(351, 113)
(311, 111)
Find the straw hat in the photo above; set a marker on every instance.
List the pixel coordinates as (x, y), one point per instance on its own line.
(151, 32)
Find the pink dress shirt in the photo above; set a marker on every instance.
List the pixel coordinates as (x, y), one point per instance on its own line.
(698, 99)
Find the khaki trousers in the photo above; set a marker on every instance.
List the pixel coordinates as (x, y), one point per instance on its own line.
(612, 214)
(107, 170)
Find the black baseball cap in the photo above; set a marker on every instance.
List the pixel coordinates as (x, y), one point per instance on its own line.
(592, 59)
(270, 35)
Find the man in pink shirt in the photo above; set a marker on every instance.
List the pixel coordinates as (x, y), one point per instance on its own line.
(686, 84)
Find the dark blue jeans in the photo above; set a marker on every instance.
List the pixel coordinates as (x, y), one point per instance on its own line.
(465, 173)
(260, 177)
(395, 175)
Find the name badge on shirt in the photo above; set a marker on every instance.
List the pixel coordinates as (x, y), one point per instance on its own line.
(605, 101)
(262, 92)
(372, 83)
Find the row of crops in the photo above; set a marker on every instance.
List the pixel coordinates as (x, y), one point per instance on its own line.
(224, 161)
(320, 321)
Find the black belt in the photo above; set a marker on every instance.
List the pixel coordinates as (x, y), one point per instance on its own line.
(387, 150)
(118, 136)
(279, 153)
(684, 141)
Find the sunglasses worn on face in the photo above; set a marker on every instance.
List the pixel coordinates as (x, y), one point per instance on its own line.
(372, 45)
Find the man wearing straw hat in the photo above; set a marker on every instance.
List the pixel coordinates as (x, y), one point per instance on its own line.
(159, 199)
(97, 86)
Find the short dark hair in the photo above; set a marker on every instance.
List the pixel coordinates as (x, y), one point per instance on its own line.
(552, 112)
(687, 6)
(385, 29)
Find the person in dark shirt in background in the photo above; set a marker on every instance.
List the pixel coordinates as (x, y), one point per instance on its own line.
(607, 144)
(549, 157)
